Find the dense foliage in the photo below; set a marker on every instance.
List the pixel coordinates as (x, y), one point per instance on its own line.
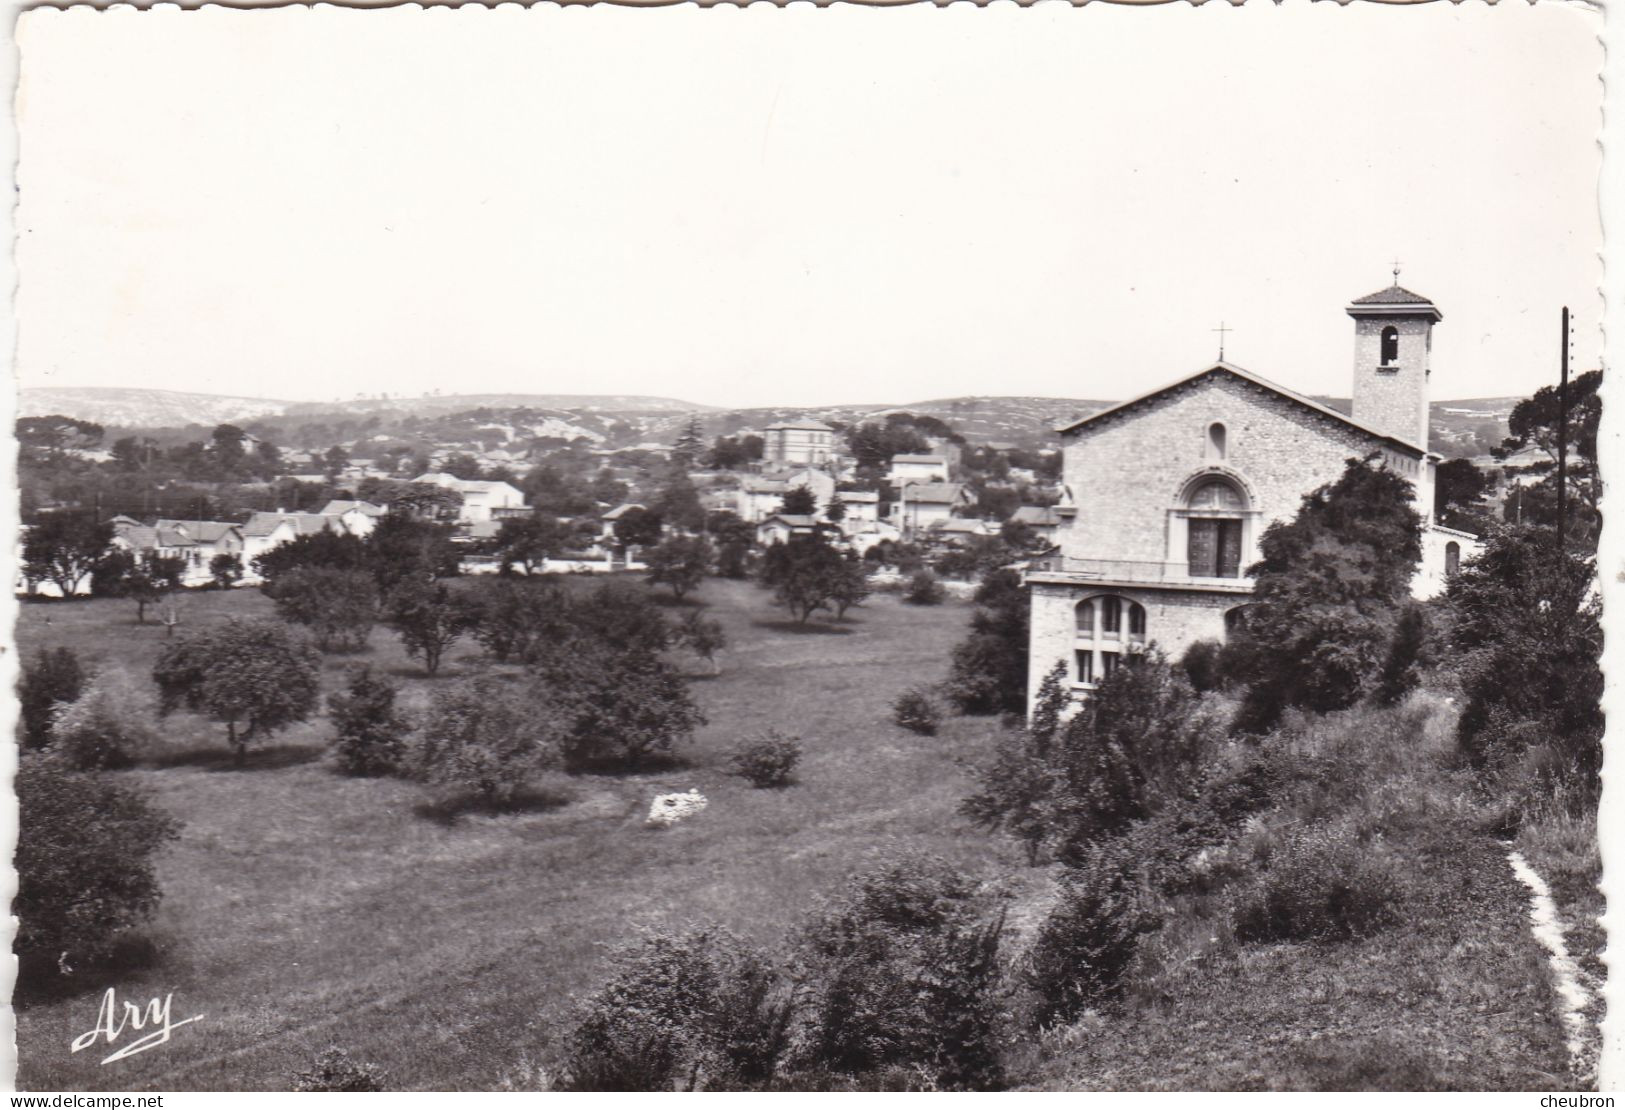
(1329, 589)
(86, 850)
(989, 670)
(47, 680)
(1526, 629)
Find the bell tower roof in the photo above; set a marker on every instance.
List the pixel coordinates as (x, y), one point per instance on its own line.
(1394, 301)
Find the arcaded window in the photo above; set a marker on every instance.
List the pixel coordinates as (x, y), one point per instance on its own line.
(1098, 646)
(1452, 557)
(1215, 441)
(1390, 345)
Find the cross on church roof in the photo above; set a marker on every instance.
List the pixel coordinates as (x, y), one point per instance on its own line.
(1221, 329)
(1396, 272)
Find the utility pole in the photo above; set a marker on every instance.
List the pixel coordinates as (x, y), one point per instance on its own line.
(1563, 439)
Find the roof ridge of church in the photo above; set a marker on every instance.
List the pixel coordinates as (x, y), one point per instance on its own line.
(1246, 376)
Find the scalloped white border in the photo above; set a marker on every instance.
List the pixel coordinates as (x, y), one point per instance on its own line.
(1611, 558)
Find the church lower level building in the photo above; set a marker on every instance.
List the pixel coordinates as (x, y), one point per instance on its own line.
(1171, 491)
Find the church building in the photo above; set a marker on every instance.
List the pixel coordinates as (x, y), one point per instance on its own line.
(1171, 491)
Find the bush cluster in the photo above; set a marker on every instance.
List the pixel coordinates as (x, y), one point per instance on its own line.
(917, 711)
(924, 589)
(1085, 946)
(893, 982)
(768, 760)
(1320, 884)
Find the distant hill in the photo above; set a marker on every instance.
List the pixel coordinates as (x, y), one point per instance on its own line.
(144, 408)
(1460, 427)
(128, 407)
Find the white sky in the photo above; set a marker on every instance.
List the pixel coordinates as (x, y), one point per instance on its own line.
(798, 206)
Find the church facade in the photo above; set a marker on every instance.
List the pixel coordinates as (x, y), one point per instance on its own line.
(1171, 491)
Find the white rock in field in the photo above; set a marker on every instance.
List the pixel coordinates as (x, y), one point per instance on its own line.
(668, 809)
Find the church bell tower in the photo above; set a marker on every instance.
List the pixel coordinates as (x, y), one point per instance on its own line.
(1393, 338)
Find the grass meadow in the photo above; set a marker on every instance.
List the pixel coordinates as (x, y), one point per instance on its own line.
(302, 908)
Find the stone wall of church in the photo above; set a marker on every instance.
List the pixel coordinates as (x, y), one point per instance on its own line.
(1127, 473)
(1175, 619)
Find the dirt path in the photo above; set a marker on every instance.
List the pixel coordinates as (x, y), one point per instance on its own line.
(1575, 992)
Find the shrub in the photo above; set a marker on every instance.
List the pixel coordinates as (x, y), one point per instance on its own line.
(1086, 944)
(50, 678)
(1137, 746)
(85, 854)
(768, 760)
(370, 733)
(489, 736)
(1018, 786)
(334, 1070)
(1320, 885)
(109, 724)
(900, 970)
(1401, 669)
(917, 711)
(1201, 664)
(701, 1010)
(924, 589)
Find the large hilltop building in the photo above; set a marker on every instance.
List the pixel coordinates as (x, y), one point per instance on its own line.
(798, 443)
(1172, 490)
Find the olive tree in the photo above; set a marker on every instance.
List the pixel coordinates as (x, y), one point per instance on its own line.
(256, 677)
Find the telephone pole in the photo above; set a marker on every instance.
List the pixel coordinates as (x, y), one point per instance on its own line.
(1563, 439)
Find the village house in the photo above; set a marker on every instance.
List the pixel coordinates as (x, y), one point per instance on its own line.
(784, 527)
(959, 531)
(762, 495)
(922, 504)
(917, 468)
(1173, 489)
(268, 530)
(195, 543)
(1043, 521)
(356, 517)
(862, 508)
(798, 443)
(480, 499)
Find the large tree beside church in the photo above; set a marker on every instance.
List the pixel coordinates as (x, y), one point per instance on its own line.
(1330, 586)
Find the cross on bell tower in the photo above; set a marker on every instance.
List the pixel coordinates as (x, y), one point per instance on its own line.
(1397, 264)
(1222, 330)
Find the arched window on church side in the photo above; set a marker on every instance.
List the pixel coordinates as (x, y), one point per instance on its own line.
(1215, 441)
(1086, 619)
(1390, 345)
(1452, 558)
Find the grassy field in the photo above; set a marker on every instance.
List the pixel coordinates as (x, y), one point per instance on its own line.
(304, 909)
